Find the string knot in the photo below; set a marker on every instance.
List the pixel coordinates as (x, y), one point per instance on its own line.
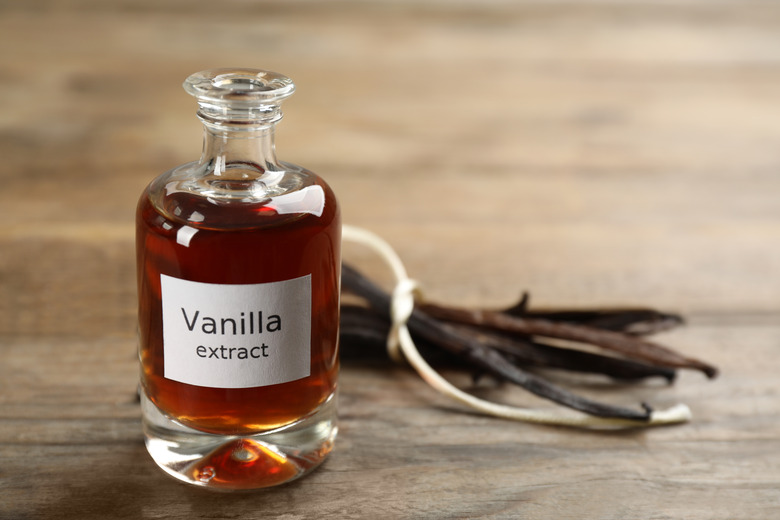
(401, 307)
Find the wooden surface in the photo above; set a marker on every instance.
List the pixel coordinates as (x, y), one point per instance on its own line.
(594, 153)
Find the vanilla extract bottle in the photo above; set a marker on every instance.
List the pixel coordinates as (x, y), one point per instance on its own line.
(238, 258)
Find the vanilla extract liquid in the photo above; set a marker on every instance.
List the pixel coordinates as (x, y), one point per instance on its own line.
(252, 244)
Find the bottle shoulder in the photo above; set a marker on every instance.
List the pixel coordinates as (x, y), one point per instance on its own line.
(246, 198)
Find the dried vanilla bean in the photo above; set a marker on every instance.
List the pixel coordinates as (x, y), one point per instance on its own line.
(364, 336)
(539, 354)
(423, 326)
(625, 344)
(630, 321)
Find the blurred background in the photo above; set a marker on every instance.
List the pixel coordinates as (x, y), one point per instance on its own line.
(592, 152)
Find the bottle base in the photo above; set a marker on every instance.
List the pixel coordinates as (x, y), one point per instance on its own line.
(239, 462)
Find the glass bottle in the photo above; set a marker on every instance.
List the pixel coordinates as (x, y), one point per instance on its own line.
(238, 258)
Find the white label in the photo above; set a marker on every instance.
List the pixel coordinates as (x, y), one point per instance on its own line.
(236, 336)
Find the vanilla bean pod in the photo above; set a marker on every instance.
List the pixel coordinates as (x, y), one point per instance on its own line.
(637, 321)
(541, 355)
(434, 331)
(625, 344)
(364, 336)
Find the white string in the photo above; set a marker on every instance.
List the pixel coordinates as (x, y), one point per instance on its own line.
(400, 341)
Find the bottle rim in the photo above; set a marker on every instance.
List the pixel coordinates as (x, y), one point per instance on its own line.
(239, 87)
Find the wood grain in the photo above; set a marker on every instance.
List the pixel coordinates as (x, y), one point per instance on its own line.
(595, 153)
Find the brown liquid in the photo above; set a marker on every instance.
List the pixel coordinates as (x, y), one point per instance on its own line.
(238, 243)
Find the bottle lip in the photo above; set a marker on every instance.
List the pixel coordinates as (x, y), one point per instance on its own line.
(239, 87)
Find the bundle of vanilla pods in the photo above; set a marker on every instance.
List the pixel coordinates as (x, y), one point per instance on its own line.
(507, 343)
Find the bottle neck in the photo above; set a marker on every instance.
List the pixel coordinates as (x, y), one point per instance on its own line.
(239, 108)
(238, 153)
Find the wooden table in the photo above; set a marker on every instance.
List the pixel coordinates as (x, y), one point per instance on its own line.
(593, 153)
